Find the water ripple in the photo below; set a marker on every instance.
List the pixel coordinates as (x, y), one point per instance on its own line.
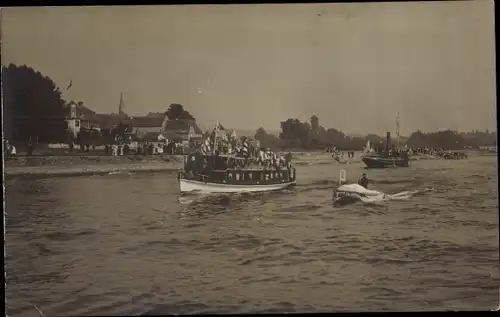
(130, 244)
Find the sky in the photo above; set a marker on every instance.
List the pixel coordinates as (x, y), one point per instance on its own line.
(355, 66)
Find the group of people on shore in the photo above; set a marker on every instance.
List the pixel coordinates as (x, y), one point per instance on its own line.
(9, 149)
(337, 154)
(147, 148)
(428, 151)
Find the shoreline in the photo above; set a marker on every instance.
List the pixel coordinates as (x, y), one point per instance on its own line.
(66, 166)
(83, 171)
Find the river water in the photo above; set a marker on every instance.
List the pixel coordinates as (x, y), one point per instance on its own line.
(129, 244)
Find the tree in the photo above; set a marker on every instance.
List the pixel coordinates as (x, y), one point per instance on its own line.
(314, 125)
(177, 112)
(266, 140)
(33, 106)
(294, 133)
(478, 138)
(337, 138)
(447, 139)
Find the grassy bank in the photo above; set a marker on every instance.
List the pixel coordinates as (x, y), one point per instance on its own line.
(75, 165)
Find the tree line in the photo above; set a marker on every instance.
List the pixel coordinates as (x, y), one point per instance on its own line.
(311, 136)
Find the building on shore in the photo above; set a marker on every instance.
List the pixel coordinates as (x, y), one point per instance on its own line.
(155, 127)
(143, 126)
(83, 119)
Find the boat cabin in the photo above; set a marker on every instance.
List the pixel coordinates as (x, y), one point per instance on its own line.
(231, 170)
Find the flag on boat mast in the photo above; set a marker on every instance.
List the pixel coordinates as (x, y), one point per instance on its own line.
(217, 128)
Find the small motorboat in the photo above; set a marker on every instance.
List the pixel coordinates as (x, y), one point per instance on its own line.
(351, 193)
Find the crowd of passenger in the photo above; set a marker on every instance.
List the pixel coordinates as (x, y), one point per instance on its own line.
(244, 153)
(257, 159)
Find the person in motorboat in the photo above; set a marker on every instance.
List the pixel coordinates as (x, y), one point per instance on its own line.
(363, 181)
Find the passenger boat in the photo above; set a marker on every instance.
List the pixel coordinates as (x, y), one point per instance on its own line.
(384, 160)
(210, 172)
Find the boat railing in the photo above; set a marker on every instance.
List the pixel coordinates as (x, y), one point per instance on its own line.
(242, 176)
(259, 175)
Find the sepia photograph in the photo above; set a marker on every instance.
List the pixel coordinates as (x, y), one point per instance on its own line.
(250, 158)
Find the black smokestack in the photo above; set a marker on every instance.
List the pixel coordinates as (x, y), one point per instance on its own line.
(387, 143)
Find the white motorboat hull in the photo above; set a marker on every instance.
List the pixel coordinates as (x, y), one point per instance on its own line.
(191, 186)
(350, 193)
(357, 189)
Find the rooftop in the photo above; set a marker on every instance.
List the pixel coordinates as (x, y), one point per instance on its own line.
(105, 121)
(146, 121)
(181, 126)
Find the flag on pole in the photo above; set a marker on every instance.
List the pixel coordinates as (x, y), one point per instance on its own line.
(219, 127)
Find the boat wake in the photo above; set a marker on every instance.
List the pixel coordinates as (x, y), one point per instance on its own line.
(352, 193)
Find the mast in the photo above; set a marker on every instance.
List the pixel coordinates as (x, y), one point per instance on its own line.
(215, 137)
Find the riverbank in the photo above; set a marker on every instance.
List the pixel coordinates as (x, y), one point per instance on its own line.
(50, 166)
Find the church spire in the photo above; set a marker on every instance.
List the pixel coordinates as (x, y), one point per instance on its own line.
(121, 105)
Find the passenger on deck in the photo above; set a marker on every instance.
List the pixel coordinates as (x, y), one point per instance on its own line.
(363, 181)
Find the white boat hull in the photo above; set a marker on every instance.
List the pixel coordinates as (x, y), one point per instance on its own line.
(190, 186)
(357, 189)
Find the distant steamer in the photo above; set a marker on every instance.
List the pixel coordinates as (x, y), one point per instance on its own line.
(386, 159)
